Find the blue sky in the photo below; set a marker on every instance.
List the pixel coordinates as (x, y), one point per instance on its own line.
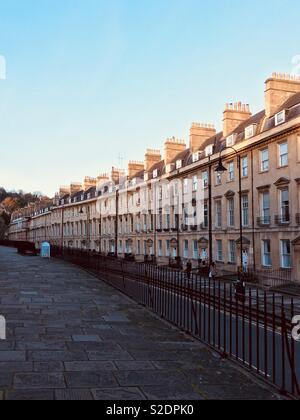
(88, 80)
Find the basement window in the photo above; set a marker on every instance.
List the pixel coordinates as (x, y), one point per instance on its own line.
(280, 118)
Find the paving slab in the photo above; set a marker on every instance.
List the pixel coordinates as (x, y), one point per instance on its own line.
(70, 336)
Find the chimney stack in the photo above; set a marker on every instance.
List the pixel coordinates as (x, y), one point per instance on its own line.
(234, 115)
(75, 187)
(89, 183)
(279, 88)
(134, 168)
(151, 158)
(117, 175)
(63, 190)
(199, 133)
(173, 147)
(101, 179)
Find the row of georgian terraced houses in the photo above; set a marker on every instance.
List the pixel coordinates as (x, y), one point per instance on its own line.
(176, 205)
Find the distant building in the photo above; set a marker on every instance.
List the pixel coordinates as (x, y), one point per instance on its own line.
(163, 202)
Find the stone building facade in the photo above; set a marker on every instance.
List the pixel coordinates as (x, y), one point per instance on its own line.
(162, 206)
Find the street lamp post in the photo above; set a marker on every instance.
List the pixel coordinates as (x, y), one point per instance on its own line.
(117, 220)
(155, 221)
(210, 222)
(178, 239)
(221, 169)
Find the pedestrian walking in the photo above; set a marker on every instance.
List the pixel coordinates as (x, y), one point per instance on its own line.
(189, 268)
(240, 291)
(213, 271)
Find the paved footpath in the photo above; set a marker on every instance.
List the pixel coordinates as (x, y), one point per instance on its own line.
(71, 336)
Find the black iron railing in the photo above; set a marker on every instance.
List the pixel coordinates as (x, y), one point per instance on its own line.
(283, 220)
(264, 221)
(250, 326)
(269, 277)
(246, 324)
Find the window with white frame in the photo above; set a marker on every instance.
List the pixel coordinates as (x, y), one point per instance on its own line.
(266, 207)
(196, 157)
(245, 166)
(245, 208)
(232, 251)
(169, 168)
(283, 154)
(230, 211)
(195, 250)
(195, 183)
(266, 253)
(285, 205)
(205, 179)
(186, 249)
(185, 186)
(155, 173)
(179, 164)
(280, 117)
(167, 191)
(285, 251)
(230, 141)
(168, 219)
(209, 150)
(250, 131)
(176, 189)
(185, 216)
(264, 160)
(160, 219)
(160, 248)
(231, 171)
(205, 214)
(218, 212)
(219, 250)
(168, 248)
(138, 224)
